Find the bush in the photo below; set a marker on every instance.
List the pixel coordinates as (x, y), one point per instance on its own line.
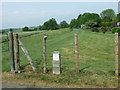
(40, 27)
(35, 29)
(114, 30)
(95, 29)
(104, 29)
(25, 28)
(64, 24)
(11, 30)
(108, 25)
(29, 29)
(91, 24)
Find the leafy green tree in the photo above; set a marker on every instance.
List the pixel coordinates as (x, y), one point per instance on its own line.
(78, 21)
(73, 23)
(35, 29)
(40, 27)
(25, 28)
(79, 16)
(11, 30)
(116, 30)
(104, 29)
(51, 24)
(118, 17)
(107, 24)
(86, 17)
(91, 24)
(64, 24)
(108, 15)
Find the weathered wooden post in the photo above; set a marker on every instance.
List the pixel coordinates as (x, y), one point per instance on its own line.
(11, 45)
(116, 54)
(119, 54)
(56, 63)
(76, 52)
(16, 52)
(44, 53)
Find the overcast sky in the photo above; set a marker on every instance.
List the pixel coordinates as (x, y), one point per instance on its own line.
(15, 15)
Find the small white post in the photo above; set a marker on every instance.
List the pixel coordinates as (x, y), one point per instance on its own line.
(56, 62)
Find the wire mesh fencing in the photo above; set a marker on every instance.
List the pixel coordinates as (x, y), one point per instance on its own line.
(95, 54)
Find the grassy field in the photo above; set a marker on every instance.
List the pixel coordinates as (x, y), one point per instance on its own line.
(96, 51)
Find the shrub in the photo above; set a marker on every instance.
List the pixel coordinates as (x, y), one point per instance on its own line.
(64, 24)
(29, 29)
(116, 29)
(108, 25)
(104, 29)
(95, 29)
(25, 28)
(35, 29)
(40, 27)
(91, 24)
(11, 30)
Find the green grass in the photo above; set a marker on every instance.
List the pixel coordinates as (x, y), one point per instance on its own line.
(96, 51)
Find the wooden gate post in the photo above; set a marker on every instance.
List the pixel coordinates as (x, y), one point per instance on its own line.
(11, 45)
(44, 53)
(76, 52)
(116, 54)
(16, 52)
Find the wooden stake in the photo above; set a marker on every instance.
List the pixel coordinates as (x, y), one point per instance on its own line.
(116, 54)
(44, 53)
(26, 54)
(76, 52)
(11, 47)
(16, 49)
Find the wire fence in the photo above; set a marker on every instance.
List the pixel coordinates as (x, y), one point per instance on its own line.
(68, 59)
(4, 41)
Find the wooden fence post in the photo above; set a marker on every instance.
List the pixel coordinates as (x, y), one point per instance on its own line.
(116, 54)
(16, 51)
(11, 45)
(44, 53)
(76, 52)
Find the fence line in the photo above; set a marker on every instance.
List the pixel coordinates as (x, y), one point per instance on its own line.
(27, 35)
(22, 36)
(76, 51)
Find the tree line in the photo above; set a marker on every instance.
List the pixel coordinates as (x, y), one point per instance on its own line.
(93, 21)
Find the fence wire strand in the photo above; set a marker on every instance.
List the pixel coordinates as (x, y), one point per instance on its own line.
(62, 55)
